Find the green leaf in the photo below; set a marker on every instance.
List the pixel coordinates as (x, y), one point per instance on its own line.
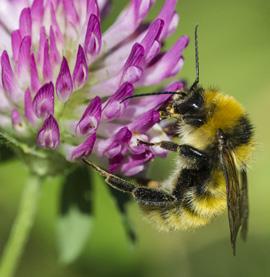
(75, 215)
(122, 201)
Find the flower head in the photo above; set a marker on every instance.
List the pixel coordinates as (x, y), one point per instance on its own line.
(63, 79)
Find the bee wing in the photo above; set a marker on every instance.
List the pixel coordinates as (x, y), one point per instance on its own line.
(233, 189)
(244, 203)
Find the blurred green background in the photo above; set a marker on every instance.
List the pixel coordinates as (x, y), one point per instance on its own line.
(234, 40)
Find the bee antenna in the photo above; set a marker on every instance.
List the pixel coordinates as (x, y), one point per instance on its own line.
(196, 82)
(151, 94)
(197, 54)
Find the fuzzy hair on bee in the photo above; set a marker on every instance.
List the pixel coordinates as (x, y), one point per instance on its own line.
(210, 176)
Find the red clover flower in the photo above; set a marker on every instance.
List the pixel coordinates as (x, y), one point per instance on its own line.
(63, 79)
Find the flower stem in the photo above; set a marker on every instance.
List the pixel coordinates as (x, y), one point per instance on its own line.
(21, 228)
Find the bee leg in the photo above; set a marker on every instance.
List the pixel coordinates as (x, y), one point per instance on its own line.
(193, 153)
(167, 145)
(153, 197)
(143, 195)
(183, 149)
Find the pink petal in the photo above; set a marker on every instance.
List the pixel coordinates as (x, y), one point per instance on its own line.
(26, 22)
(152, 35)
(127, 22)
(41, 44)
(24, 56)
(55, 56)
(136, 163)
(15, 117)
(43, 103)
(37, 10)
(49, 134)
(28, 107)
(93, 7)
(92, 42)
(35, 84)
(55, 25)
(113, 108)
(70, 12)
(80, 73)
(115, 162)
(132, 70)
(90, 119)
(84, 149)
(16, 40)
(167, 66)
(113, 146)
(144, 122)
(64, 84)
(8, 79)
(47, 66)
(167, 14)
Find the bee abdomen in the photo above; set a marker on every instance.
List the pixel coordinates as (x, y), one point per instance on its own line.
(207, 205)
(210, 201)
(194, 211)
(177, 218)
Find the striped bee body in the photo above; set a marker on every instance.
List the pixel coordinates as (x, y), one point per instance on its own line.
(216, 142)
(197, 204)
(199, 182)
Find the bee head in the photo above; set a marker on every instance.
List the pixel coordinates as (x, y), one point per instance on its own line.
(188, 107)
(187, 102)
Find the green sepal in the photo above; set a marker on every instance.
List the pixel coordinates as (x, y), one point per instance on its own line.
(75, 214)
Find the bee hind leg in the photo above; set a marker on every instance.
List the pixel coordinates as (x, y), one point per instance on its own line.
(153, 197)
(143, 195)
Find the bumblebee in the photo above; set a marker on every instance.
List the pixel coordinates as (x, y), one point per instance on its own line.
(210, 175)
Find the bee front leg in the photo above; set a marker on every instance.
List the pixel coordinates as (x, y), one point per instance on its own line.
(146, 196)
(193, 153)
(167, 145)
(184, 150)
